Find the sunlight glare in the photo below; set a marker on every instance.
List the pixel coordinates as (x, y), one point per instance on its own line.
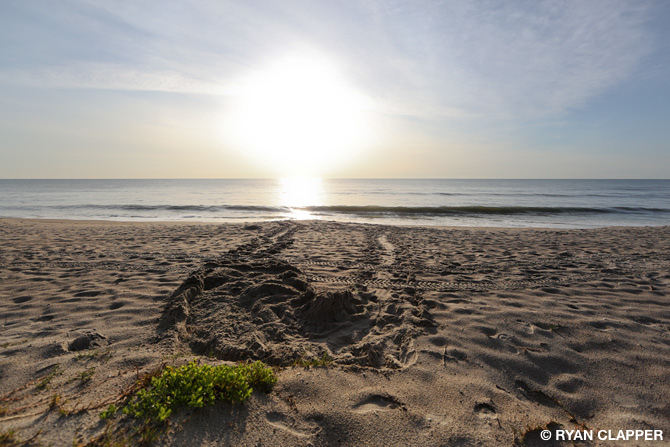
(301, 192)
(300, 117)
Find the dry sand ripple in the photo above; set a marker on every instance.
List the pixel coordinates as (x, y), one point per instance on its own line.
(438, 336)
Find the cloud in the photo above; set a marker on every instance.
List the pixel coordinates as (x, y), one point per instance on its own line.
(518, 59)
(102, 76)
(424, 59)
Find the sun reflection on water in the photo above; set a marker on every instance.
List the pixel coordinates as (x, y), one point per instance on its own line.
(297, 193)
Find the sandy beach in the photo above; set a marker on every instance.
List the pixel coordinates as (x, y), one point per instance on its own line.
(436, 336)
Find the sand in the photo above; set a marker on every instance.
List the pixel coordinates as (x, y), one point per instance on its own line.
(438, 336)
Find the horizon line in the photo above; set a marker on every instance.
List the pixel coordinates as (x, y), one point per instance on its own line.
(337, 178)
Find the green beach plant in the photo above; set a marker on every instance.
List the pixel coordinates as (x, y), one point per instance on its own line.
(8, 437)
(102, 355)
(45, 381)
(196, 385)
(86, 376)
(322, 361)
(109, 412)
(56, 402)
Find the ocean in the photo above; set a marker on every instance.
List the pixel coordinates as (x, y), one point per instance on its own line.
(480, 203)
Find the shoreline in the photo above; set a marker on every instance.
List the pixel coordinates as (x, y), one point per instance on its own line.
(437, 335)
(19, 220)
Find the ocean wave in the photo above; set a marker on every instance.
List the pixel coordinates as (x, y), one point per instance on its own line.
(200, 208)
(477, 210)
(367, 210)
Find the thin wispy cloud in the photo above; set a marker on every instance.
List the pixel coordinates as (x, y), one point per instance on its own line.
(116, 77)
(425, 59)
(514, 58)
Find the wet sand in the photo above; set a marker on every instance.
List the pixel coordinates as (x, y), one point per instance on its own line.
(438, 336)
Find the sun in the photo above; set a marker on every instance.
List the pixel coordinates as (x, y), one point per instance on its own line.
(300, 117)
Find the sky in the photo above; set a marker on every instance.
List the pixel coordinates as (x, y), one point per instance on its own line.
(260, 88)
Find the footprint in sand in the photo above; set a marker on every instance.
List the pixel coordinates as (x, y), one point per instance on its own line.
(485, 410)
(117, 305)
(488, 331)
(454, 354)
(569, 383)
(377, 402)
(408, 355)
(282, 422)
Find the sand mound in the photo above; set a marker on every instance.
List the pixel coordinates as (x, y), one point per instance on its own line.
(268, 310)
(87, 339)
